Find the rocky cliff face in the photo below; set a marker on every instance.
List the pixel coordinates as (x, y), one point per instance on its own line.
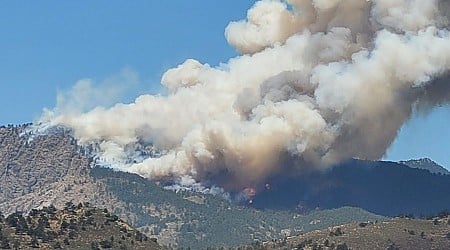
(28, 166)
(43, 170)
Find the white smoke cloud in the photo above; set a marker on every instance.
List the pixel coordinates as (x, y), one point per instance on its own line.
(319, 81)
(268, 23)
(86, 94)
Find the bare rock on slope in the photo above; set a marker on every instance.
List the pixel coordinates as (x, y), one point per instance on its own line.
(45, 170)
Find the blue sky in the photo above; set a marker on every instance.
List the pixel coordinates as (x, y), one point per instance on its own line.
(47, 46)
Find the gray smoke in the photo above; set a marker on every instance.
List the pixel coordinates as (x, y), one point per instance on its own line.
(318, 80)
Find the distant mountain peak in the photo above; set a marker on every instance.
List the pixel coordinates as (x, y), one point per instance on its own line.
(426, 164)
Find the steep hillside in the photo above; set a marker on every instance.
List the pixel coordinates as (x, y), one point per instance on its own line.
(426, 164)
(52, 169)
(37, 171)
(74, 227)
(386, 188)
(398, 233)
(200, 220)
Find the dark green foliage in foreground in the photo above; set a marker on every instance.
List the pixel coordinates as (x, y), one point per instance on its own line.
(74, 227)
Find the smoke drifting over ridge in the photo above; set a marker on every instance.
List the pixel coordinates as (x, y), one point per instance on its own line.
(318, 81)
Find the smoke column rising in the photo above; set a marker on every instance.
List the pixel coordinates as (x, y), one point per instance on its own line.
(319, 81)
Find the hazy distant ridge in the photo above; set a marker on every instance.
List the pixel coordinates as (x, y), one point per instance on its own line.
(426, 164)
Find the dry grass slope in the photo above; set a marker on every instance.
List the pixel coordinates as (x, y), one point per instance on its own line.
(398, 233)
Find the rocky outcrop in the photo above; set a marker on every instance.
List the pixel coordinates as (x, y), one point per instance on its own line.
(37, 171)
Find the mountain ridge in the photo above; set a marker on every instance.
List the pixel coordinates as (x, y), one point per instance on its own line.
(61, 171)
(386, 188)
(426, 164)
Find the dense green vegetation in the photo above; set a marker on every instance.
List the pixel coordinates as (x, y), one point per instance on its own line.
(202, 220)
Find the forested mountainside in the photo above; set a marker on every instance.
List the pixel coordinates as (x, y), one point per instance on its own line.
(51, 169)
(386, 188)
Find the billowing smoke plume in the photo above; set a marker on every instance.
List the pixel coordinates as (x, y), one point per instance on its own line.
(318, 81)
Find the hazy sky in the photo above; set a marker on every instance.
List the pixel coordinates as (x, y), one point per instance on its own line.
(46, 46)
